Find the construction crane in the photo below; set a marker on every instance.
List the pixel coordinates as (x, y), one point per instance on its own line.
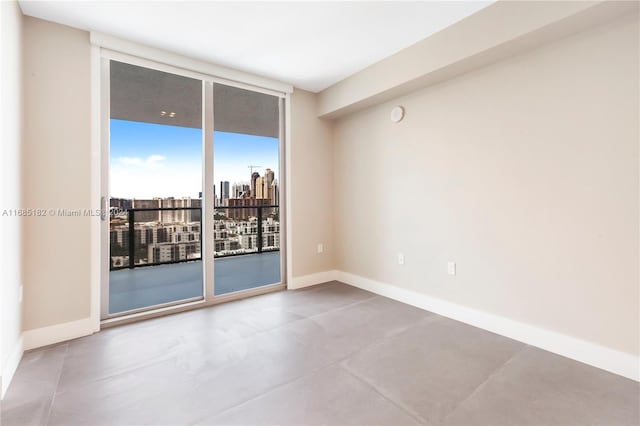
(251, 166)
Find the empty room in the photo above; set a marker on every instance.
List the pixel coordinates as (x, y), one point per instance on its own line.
(319, 213)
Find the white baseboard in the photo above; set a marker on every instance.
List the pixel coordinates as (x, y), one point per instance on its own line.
(311, 279)
(44, 336)
(9, 369)
(611, 360)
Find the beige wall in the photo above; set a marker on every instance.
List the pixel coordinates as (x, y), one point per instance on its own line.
(10, 137)
(311, 187)
(56, 173)
(525, 173)
(496, 32)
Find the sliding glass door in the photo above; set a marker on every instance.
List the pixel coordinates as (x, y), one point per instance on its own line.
(155, 187)
(246, 171)
(193, 191)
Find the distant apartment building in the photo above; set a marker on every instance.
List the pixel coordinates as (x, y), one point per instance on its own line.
(184, 210)
(269, 176)
(245, 213)
(254, 178)
(249, 242)
(187, 210)
(170, 252)
(226, 246)
(224, 192)
(262, 190)
(263, 187)
(151, 235)
(241, 190)
(275, 193)
(120, 203)
(220, 229)
(162, 236)
(248, 235)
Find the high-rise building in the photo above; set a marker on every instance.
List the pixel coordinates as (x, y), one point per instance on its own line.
(254, 177)
(275, 193)
(224, 191)
(245, 213)
(187, 210)
(147, 216)
(240, 190)
(269, 178)
(190, 213)
(120, 203)
(262, 190)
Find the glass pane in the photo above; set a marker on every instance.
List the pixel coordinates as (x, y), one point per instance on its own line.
(247, 194)
(155, 185)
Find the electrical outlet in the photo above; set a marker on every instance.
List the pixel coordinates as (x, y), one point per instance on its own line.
(400, 259)
(451, 268)
(320, 248)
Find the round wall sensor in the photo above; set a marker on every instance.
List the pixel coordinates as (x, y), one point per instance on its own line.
(397, 114)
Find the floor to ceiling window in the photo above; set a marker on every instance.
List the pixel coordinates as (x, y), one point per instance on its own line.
(194, 189)
(246, 169)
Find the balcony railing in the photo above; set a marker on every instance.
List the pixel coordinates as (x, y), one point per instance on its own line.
(159, 236)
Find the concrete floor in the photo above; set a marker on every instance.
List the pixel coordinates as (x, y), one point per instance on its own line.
(331, 354)
(153, 285)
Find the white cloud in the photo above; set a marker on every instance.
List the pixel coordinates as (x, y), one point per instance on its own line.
(172, 180)
(151, 162)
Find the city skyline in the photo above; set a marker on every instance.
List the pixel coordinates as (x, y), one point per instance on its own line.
(154, 160)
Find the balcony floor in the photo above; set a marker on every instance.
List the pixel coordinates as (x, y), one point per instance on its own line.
(154, 285)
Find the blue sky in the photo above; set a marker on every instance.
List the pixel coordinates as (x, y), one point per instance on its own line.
(155, 160)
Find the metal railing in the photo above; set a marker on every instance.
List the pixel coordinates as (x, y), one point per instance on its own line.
(258, 210)
(131, 231)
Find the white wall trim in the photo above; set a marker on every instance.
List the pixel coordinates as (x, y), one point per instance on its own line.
(283, 121)
(9, 369)
(312, 279)
(96, 193)
(169, 58)
(621, 363)
(39, 337)
(288, 222)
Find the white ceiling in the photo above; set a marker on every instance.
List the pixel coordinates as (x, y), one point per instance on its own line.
(311, 45)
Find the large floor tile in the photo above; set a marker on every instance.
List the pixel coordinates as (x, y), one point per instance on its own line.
(121, 349)
(540, 388)
(34, 384)
(261, 363)
(117, 350)
(114, 351)
(317, 299)
(431, 367)
(331, 396)
(328, 354)
(154, 394)
(346, 330)
(197, 381)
